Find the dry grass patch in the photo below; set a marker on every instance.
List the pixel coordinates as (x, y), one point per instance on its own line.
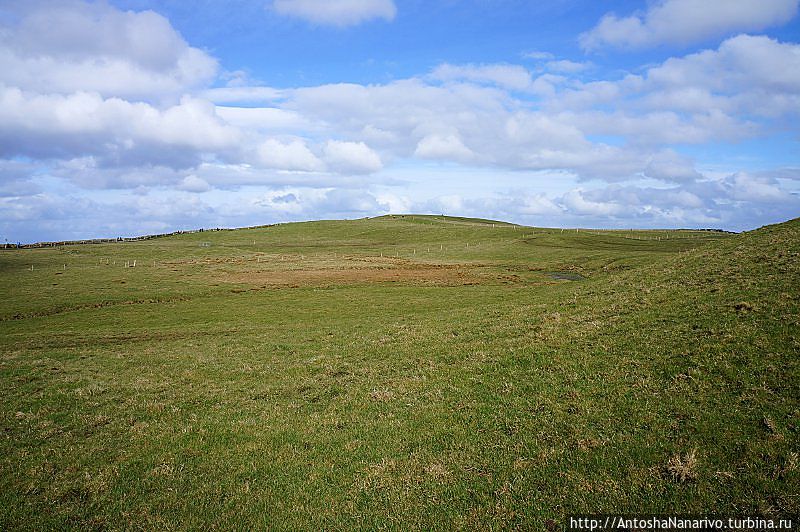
(683, 468)
(415, 274)
(381, 395)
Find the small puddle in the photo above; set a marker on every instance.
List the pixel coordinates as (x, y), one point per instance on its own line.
(566, 276)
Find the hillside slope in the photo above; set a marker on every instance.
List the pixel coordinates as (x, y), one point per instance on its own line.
(413, 372)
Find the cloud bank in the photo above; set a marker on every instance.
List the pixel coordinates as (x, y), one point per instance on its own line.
(81, 47)
(684, 22)
(112, 123)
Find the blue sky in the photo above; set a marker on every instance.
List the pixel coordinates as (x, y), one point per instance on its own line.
(138, 116)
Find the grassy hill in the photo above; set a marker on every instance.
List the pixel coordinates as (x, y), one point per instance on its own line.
(401, 371)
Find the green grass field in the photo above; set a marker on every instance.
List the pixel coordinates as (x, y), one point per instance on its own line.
(399, 372)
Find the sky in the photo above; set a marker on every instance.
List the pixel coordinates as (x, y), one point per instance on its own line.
(130, 117)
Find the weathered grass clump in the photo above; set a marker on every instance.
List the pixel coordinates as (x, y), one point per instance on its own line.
(683, 467)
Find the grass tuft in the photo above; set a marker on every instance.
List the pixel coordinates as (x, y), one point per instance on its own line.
(683, 467)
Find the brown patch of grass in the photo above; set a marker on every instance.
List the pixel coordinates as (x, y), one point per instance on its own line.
(587, 444)
(770, 425)
(437, 472)
(381, 395)
(402, 475)
(792, 463)
(683, 467)
(424, 274)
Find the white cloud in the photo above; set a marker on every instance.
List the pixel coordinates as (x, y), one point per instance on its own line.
(745, 88)
(307, 203)
(538, 55)
(684, 22)
(398, 115)
(394, 203)
(264, 119)
(91, 173)
(516, 205)
(547, 85)
(651, 128)
(236, 176)
(447, 147)
(94, 47)
(566, 66)
(336, 12)
(508, 76)
(750, 74)
(351, 157)
(192, 183)
(474, 121)
(746, 187)
(414, 118)
(15, 179)
(85, 123)
(533, 204)
(543, 131)
(787, 173)
(671, 167)
(70, 216)
(293, 155)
